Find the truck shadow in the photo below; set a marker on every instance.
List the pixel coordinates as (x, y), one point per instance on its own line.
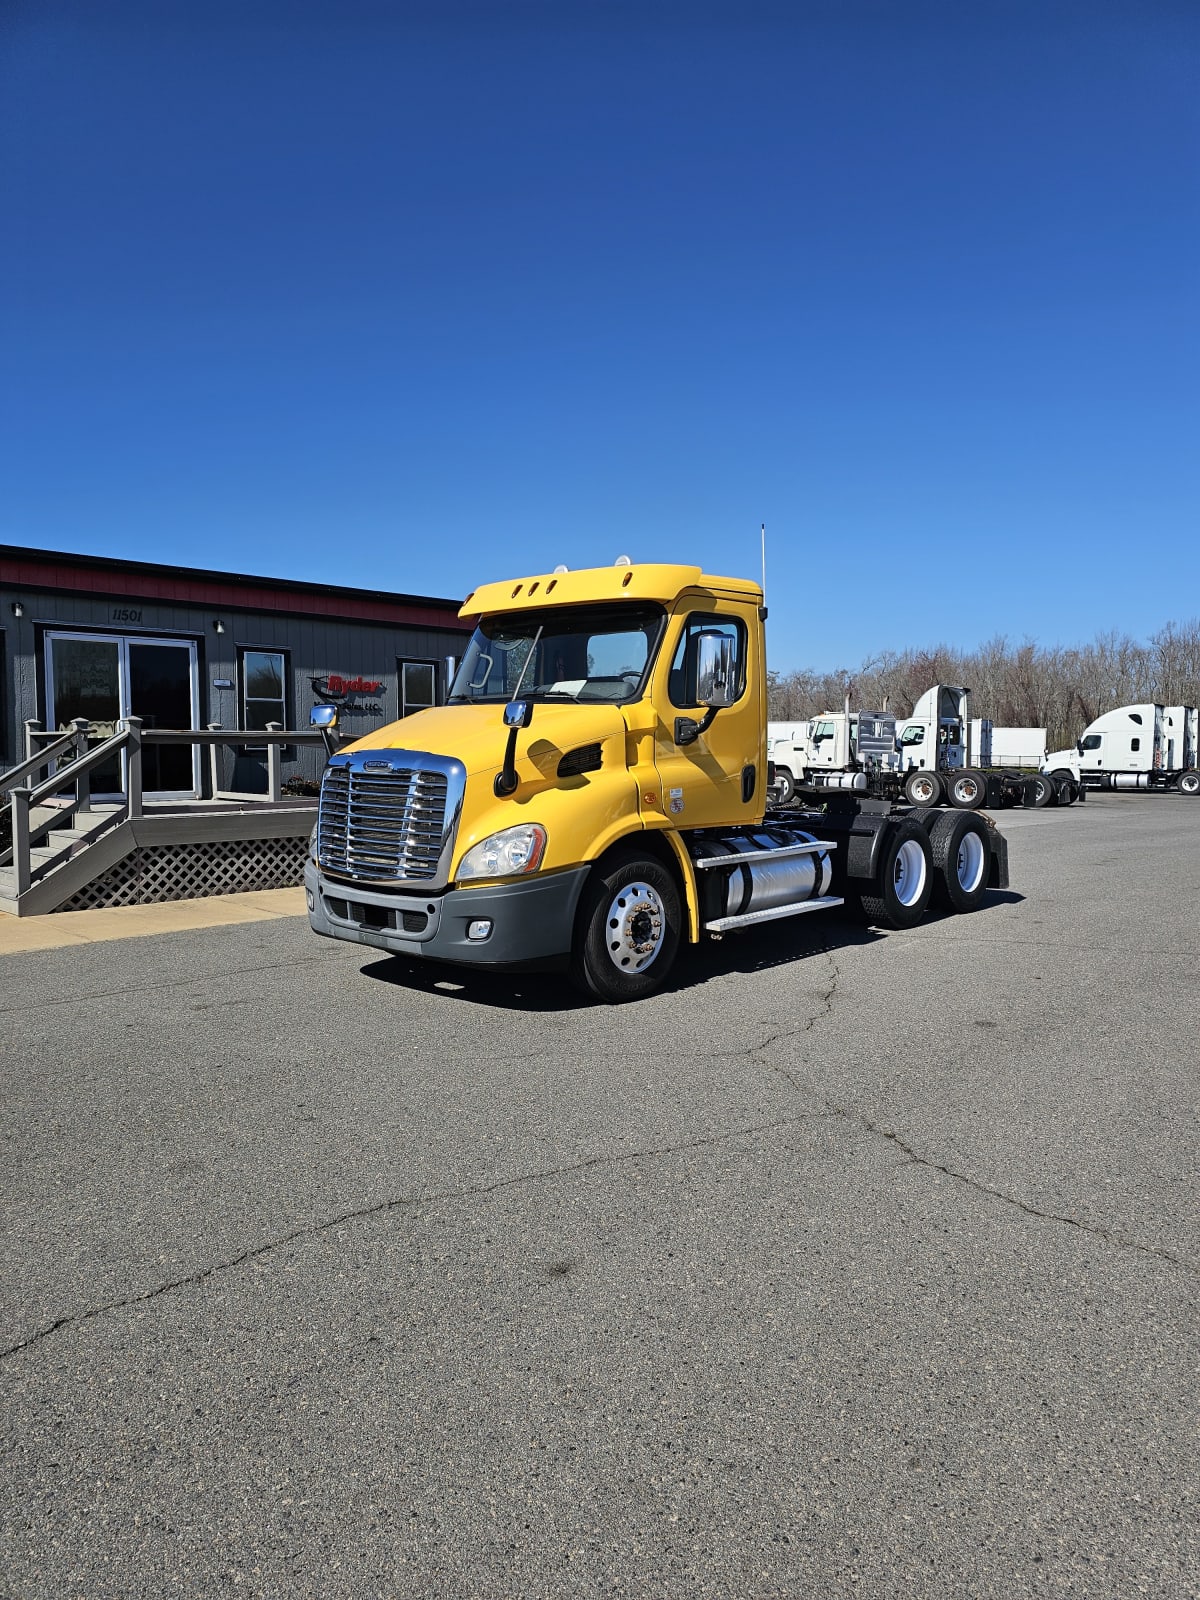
(760, 949)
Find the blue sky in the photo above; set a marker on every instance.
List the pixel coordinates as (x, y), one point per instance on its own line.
(418, 296)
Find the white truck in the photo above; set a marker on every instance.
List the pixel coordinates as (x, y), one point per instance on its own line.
(937, 755)
(1144, 746)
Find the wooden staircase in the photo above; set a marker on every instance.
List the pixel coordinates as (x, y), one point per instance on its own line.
(55, 842)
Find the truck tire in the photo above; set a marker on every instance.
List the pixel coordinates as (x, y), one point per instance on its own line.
(1189, 782)
(1067, 790)
(900, 895)
(967, 791)
(962, 853)
(785, 786)
(1044, 792)
(627, 934)
(923, 789)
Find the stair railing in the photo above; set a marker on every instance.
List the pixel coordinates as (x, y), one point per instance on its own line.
(77, 776)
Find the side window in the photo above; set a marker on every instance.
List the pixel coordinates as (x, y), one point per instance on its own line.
(1135, 744)
(264, 688)
(418, 686)
(913, 734)
(1092, 742)
(681, 683)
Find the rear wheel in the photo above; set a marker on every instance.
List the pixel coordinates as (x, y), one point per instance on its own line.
(627, 936)
(923, 788)
(1189, 782)
(961, 851)
(899, 897)
(1067, 788)
(1043, 794)
(968, 790)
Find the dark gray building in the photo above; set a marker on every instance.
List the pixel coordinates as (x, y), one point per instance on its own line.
(85, 636)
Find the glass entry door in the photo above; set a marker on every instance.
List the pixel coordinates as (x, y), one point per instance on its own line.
(105, 678)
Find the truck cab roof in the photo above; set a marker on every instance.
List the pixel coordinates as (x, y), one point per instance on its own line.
(660, 582)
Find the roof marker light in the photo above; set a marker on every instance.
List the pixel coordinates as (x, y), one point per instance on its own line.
(622, 561)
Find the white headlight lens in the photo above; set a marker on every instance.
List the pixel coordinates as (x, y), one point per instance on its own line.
(505, 854)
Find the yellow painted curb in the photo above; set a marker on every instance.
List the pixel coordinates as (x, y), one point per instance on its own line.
(139, 922)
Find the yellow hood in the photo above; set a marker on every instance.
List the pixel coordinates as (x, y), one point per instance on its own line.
(476, 735)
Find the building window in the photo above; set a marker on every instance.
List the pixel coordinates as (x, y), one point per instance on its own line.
(418, 686)
(264, 688)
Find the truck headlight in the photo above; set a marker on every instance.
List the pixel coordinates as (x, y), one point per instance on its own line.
(312, 844)
(505, 854)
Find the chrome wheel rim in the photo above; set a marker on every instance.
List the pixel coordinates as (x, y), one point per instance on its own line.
(1190, 784)
(909, 873)
(971, 862)
(635, 928)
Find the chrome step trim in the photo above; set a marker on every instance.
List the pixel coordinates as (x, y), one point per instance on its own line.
(821, 903)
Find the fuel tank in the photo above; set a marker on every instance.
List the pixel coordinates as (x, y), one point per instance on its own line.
(757, 869)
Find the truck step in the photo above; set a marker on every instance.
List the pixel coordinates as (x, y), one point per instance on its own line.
(822, 903)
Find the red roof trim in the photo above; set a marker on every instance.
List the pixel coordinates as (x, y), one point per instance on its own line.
(220, 591)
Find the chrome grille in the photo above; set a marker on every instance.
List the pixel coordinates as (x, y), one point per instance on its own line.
(391, 824)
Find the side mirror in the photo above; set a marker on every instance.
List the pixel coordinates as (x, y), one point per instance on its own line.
(323, 717)
(518, 713)
(716, 676)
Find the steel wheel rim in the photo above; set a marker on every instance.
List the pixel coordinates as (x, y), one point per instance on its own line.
(971, 862)
(909, 873)
(966, 789)
(922, 789)
(635, 928)
(1189, 785)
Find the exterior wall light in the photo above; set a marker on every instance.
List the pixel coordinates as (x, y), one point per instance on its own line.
(218, 625)
(18, 610)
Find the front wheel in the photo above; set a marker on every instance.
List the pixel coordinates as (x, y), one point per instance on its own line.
(785, 786)
(899, 897)
(923, 789)
(627, 935)
(1189, 782)
(1043, 794)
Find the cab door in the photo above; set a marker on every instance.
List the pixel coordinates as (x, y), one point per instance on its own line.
(718, 777)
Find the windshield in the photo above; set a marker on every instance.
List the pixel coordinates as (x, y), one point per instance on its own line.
(595, 653)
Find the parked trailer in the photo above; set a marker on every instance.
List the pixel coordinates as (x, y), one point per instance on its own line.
(594, 796)
(1012, 749)
(1142, 746)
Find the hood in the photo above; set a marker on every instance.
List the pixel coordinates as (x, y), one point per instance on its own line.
(476, 735)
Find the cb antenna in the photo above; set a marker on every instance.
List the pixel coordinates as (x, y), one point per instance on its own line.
(763, 534)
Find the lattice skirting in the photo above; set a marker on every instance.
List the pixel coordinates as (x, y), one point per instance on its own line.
(195, 871)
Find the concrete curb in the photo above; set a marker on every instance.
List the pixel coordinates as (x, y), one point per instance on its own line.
(140, 922)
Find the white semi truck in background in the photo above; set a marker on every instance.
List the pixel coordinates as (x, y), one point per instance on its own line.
(1145, 746)
(936, 755)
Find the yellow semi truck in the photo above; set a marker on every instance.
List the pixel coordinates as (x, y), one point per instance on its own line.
(594, 794)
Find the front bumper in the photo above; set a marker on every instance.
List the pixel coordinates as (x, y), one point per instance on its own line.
(532, 919)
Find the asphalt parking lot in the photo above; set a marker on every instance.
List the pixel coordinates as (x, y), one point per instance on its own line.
(854, 1264)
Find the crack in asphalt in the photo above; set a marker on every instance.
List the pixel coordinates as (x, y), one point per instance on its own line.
(381, 1207)
(755, 1054)
(192, 979)
(915, 1158)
